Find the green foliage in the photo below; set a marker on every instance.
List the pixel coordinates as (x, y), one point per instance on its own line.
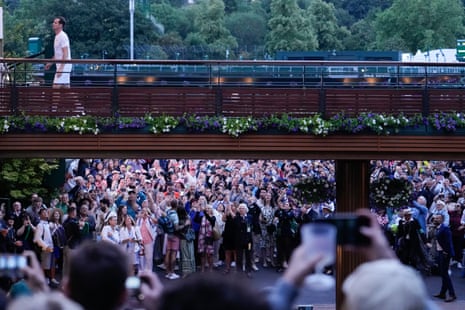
(419, 26)
(88, 22)
(289, 30)
(324, 23)
(244, 36)
(362, 36)
(210, 28)
(207, 28)
(19, 178)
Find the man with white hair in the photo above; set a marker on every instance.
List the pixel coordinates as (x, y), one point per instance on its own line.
(244, 242)
(439, 207)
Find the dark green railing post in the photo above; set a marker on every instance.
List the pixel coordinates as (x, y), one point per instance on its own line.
(115, 93)
(322, 97)
(425, 97)
(14, 94)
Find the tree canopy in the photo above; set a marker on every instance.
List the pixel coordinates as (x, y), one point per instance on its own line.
(245, 28)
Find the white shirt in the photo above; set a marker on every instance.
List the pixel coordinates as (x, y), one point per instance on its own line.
(110, 234)
(62, 41)
(43, 236)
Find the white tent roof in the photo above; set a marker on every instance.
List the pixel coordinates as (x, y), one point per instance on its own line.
(444, 55)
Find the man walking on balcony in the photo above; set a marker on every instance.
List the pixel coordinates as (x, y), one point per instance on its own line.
(62, 51)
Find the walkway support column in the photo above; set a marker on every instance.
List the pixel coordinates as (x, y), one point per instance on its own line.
(352, 193)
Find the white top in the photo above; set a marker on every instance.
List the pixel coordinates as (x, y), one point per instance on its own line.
(43, 235)
(62, 42)
(109, 234)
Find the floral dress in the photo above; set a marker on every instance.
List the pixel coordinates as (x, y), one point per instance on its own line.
(206, 235)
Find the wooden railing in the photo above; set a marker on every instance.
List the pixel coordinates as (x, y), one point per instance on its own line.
(233, 88)
(231, 101)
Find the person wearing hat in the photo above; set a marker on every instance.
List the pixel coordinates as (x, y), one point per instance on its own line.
(327, 210)
(439, 207)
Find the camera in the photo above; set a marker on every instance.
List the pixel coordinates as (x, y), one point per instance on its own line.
(348, 229)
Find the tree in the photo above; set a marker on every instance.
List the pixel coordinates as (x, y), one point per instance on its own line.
(19, 178)
(288, 29)
(93, 26)
(362, 35)
(239, 24)
(359, 9)
(324, 23)
(211, 30)
(420, 26)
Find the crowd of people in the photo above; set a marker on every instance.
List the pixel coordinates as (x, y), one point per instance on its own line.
(191, 216)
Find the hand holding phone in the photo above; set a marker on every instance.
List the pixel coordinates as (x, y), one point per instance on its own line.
(349, 229)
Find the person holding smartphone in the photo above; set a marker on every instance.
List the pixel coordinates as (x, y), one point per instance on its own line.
(366, 287)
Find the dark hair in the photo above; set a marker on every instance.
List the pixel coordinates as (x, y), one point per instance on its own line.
(61, 20)
(97, 275)
(200, 292)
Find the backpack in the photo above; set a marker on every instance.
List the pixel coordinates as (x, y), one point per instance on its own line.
(166, 225)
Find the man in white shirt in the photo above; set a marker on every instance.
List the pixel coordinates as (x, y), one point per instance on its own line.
(62, 51)
(43, 239)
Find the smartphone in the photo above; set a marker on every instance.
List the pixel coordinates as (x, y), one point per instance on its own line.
(133, 283)
(12, 265)
(133, 287)
(348, 229)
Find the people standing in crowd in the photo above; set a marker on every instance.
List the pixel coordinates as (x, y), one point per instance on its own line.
(59, 240)
(43, 239)
(439, 207)
(411, 247)
(147, 226)
(13, 244)
(455, 215)
(102, 214)
(206, 240)
(271, 178)
(26, 232)
(131, 241)
(243, 230)
(229, 239)
(187, 236)
(110, 231)
(286, 230)
(196, 213)
(268, 231)
(420, 213)
(255, 212)
(86, 221)
(17, 214)
(73, 235)
(172, 239)
(446, 252)
(34, 208)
